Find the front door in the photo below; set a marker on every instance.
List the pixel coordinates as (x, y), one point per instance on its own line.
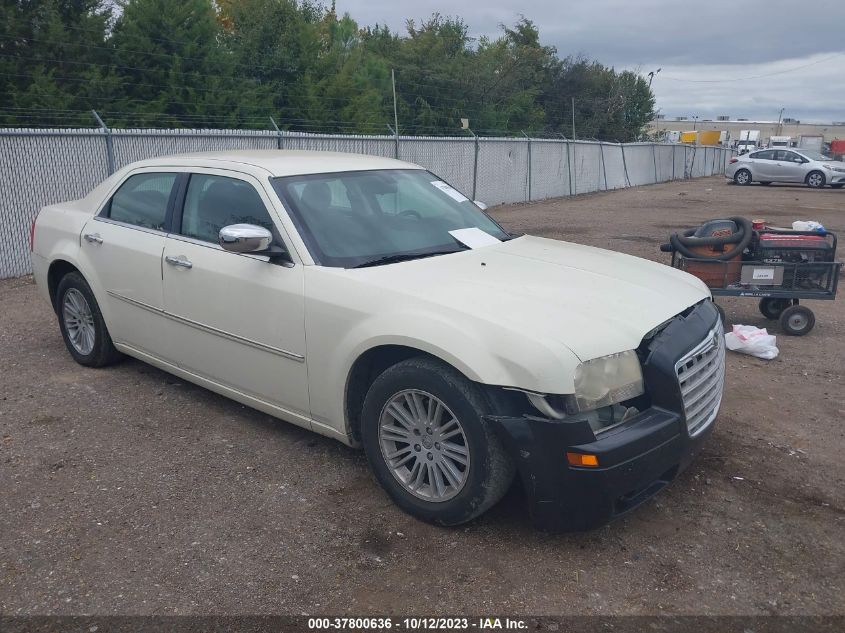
(238, 319)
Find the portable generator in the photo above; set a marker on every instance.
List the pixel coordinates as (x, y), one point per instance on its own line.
(780, 266)
(777, 248)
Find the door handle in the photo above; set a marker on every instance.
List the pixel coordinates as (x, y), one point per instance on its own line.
(180, 261)
(93, 238)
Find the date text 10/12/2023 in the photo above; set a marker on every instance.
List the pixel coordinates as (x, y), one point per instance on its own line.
(417, 624)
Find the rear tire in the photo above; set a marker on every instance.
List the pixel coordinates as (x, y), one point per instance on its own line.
(773, 308)
(797, 320)
(81, 322)
(815, 180)
(742, 177)
(421, 419)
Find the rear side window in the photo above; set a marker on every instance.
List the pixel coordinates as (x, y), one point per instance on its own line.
(142, 200)
(765, 155)
(213, 202)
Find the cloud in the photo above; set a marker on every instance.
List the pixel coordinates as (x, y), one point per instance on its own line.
(808, 88)
(716, 39)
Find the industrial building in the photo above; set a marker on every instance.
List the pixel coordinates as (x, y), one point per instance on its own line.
(786, 127)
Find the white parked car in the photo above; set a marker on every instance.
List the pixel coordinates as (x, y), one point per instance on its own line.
(366, 299)
(786, 165)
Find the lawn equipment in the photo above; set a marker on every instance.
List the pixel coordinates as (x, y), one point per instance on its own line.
(738, 258)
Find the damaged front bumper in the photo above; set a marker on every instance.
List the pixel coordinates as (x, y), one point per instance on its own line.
(635, 459)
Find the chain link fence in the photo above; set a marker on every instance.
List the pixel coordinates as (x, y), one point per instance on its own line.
(40, 167)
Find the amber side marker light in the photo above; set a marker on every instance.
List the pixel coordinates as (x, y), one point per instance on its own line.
(581, 459)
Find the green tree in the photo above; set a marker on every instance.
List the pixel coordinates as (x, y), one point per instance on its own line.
(53, 61)
(172, 69)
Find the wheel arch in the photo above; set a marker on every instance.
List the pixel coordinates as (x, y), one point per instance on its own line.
(815, 171)
(57, 270)
(366, 368)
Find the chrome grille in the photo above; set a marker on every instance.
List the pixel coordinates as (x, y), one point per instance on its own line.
(701, 375)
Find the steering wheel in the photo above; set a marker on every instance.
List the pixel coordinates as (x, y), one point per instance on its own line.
(410, 213)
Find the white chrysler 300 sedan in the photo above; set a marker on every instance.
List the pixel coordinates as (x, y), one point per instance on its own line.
(366, 299)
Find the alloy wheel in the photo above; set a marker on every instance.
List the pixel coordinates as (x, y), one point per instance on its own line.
(424, 445)
(79, 321)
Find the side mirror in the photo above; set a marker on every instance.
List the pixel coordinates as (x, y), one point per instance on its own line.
(480, 205)
(245, 238)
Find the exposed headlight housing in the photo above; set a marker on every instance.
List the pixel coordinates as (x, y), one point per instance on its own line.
(606, 380)
(834, 168)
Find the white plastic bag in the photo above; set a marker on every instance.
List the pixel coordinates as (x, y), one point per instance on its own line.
(748, 339)
(807, 225)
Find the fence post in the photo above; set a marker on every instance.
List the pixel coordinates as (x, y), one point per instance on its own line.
(568, 164)
(654, 158)
(109, 142)
(474, 165)
(395, 133)
(674, 147)
(625, 164)
(529, 166)
(278, 134)
(603, 166)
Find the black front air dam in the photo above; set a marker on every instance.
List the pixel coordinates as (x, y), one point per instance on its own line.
(636, 459)
(635, 462)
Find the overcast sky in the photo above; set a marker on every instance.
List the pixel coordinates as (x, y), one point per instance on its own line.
(712, 54)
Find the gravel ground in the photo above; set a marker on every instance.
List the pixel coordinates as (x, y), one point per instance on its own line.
(128, 491)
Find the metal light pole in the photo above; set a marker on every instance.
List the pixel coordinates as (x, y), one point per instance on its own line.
(395, 114)
(780, 118)
(652, 75)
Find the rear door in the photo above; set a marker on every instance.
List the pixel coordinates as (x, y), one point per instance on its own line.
(762, 165)
(239, 319)
(124, 245)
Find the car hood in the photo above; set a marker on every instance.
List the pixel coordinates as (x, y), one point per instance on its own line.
(593, 301)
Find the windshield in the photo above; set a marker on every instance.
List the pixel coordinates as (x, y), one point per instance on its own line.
(349, 219)
(813, 155)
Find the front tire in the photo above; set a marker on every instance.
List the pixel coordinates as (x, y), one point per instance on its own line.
(427, 443)
(742, 177)
(815, 180)
(81, 322)
(797, 320)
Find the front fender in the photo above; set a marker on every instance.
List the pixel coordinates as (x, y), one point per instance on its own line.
(481, 350)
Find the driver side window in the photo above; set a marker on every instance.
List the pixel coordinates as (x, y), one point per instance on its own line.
(213, 202)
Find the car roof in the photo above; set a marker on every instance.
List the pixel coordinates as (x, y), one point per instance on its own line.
(281, 162)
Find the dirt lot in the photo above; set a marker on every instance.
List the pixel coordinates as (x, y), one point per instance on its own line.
(128, 491)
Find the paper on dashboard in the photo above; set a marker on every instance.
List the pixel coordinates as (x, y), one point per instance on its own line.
(474, 237)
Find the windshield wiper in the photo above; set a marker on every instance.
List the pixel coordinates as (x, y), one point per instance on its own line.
(404, 257)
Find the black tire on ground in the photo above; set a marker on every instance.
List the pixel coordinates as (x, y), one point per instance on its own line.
(767, 183)
(490, 471)
(815, 180)
(797, 320)
(102, 351)
(772, 308)
(838, 185)
(742, 177)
